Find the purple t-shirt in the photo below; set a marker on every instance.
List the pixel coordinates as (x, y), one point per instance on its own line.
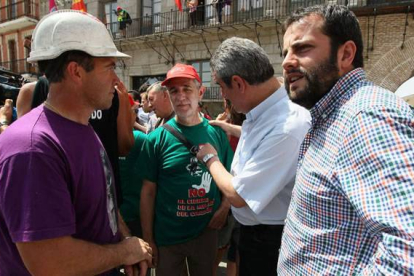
(55, 180)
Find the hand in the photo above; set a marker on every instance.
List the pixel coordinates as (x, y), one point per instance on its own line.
(139, 269)
(154, 261)
(143, 267)
(222, 116)
(221, 123)
(230, 129)
(131, 270)
(6, 112)
(122, 93)
(205, 149)
(137, 250)
(220, 216)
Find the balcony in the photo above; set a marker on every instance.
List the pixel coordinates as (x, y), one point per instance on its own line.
(241, 14)
(19, 66)
(212, 94)
(18, 15)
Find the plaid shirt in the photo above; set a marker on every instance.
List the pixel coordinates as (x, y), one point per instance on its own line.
(352, 208)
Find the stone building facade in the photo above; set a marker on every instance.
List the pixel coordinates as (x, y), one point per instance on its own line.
(161, 36)
(17, 22)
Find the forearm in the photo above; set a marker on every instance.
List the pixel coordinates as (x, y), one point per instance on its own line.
(69, 256)
(147, 213)
(123, 228)
(125, 134)
(230, 129)
(223, 180)
(140, 127)
(234, 130)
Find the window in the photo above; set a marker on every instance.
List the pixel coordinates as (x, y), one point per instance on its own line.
(110, 17)
(212, 89)
(151, 16)
(12, 9)
(203, 70)
(12, 55)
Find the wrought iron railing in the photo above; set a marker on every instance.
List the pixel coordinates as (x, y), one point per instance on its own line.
(212, 93)
(19, 9)
(19, 66)
(239, 12)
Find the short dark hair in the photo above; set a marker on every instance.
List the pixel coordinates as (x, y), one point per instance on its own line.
(54, 69)
(340, 25)
(135, 95)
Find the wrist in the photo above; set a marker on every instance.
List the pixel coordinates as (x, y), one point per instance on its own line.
(209, 158)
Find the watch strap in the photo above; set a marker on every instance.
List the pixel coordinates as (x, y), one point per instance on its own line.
(207, 157)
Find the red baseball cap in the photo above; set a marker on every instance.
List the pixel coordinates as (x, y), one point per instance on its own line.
(182, 71)
(118, 8)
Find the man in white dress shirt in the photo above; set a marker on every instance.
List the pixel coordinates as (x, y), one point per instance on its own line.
(260, 183)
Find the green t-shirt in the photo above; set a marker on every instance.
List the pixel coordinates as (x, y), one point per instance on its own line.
(185, 201)
(131, 173)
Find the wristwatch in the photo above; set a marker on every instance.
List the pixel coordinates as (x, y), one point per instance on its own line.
(207, 157)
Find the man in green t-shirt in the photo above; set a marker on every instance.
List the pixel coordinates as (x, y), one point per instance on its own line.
(181, 206)
(131, 172)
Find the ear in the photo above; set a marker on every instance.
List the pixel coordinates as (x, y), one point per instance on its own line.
(346, 55)
(166, 95)
(201, 92)
(75, 73)
(239, 83)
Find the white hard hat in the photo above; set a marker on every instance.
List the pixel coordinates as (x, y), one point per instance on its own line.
(68, 30)
(406, 91)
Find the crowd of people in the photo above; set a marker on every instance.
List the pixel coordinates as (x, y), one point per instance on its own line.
(312, 174)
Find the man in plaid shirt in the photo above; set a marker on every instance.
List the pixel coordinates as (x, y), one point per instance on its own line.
(352, 209)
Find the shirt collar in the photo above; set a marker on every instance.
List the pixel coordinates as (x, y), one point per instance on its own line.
(337, 96)
(266, 104)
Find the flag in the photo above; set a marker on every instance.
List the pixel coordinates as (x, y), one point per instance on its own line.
(52, 6)
(78, 5)
(179, 6)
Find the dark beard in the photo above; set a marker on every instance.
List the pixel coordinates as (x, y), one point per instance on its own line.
(320, 81)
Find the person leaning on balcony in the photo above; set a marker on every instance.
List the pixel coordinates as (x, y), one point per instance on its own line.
(123, 19)
(219, 8)
(192, 8)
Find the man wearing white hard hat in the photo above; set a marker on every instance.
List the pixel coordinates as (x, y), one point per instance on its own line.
(58, 210)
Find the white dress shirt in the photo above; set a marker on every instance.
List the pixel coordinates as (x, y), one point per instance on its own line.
(265, 161)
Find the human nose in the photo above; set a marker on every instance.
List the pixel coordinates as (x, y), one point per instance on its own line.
(116, 80)
(180, 94)
(290, 61)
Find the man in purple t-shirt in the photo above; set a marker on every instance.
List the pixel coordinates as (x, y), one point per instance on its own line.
(58, 210)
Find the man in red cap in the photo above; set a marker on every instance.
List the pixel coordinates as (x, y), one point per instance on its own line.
(178, 193)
